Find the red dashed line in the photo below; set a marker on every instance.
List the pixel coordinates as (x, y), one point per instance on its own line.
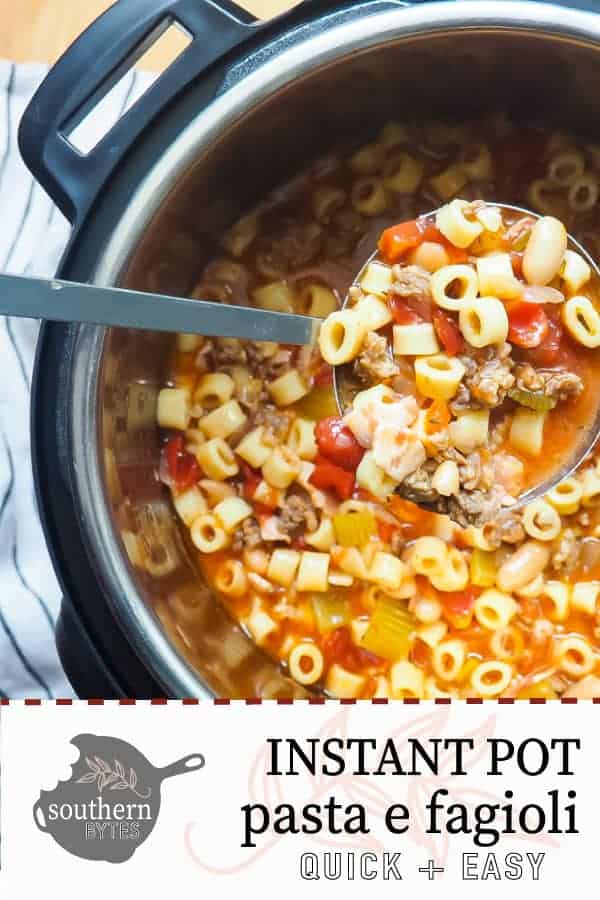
(289, 701)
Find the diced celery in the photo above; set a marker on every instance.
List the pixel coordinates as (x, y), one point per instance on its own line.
(483, 568)
(331, 610)
(390, 629)
(354, 529)
(532, 400)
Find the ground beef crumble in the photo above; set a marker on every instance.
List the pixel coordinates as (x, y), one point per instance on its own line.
(417, 486)
(506, 529)
(229, 352)
(476, 507)
(276, 423)
(551, 383)
(479, 499)
(297, 512)
(487, 379)
(247, 536)
(266, 361)
(375, 361)
(410, 281)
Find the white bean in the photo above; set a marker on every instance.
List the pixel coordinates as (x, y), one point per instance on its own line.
(545, 250)
(522, 567)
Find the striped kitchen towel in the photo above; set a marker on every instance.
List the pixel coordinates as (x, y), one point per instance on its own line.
(33, 234)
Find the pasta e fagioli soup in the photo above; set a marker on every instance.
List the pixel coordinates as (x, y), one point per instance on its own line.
(356, 590)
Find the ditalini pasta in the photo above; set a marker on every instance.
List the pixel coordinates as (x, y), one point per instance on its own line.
(472, 340)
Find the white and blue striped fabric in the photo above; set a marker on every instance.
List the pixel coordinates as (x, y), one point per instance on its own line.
(33, 234)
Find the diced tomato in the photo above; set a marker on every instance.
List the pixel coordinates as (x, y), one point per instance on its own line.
(395, 242)
(323, 375)
(528, 324)
(403, 314)
(338, 647)
(457, 254)
(182, 468)
(337, 443)
(548, 352)
(326, 476)
(447, 331)
(399, 239)
(409, 310)
(459, 603)
(252, 478)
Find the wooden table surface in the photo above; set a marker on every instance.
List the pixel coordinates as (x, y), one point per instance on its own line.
(40, 30)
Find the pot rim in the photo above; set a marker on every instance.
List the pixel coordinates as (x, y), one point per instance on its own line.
(337, 41)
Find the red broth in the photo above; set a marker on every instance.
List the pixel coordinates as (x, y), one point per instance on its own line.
(358, 617)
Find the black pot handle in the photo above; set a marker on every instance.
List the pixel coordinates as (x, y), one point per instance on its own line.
(94, 64)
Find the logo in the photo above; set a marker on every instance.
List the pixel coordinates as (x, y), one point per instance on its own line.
(111, 803)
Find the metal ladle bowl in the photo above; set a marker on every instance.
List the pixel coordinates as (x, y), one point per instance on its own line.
(345, 389)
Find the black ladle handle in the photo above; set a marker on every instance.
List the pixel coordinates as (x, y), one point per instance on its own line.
(191, 763)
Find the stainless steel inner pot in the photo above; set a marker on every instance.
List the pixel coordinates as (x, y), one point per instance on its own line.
(542, 62)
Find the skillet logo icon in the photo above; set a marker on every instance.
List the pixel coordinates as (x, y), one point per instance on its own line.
(111, 803)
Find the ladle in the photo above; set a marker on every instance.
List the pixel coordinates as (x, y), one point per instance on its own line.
(344, 389)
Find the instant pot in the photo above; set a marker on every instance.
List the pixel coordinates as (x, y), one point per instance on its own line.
(247, 105)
